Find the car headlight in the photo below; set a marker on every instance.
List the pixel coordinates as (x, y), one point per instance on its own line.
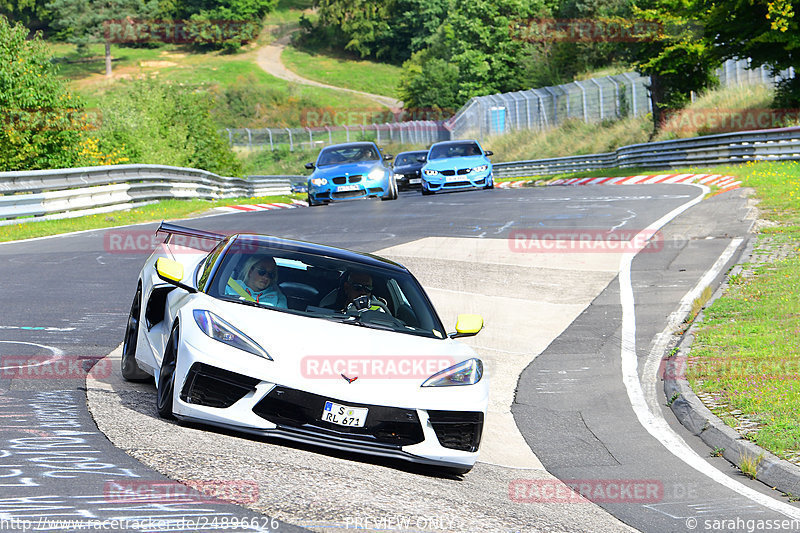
(480, 168)
(319, 182)
(468, 372)
(431, 172)
(376, 174)
(219, 330)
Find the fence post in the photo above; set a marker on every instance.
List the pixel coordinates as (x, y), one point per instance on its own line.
(271, 146)
(377, 134)
(230, 136)
(330, 136)
(633, 93)
(310, 139)
(291, 143)
(616, 92)
(600, 97)
(583, 101)
(249, 139)
(555, 104)
(347, 132)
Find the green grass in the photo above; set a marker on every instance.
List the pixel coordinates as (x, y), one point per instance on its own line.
(212, 71)
(746, 349)
(165, 210)
(343, 70)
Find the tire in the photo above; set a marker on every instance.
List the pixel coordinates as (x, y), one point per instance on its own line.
(311, 202)
(166, 376)
(391, 194)
(426, 192)
(489, 183)
(131, 370)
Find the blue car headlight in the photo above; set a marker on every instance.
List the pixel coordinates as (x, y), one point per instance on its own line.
(480, 168)
(376, 174)
(219, 330)
(467, 372)
(431, 172)
(319, 182)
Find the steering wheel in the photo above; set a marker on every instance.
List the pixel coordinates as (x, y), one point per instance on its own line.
(363, 303)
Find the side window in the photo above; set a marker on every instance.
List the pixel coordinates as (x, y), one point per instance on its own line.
(208, 264)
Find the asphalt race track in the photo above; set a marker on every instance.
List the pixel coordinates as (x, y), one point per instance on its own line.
(569, 344)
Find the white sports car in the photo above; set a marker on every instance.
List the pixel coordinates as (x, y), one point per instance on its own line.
(305, 342)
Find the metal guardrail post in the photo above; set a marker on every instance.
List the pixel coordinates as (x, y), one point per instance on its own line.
(291, 142)
(271, 146)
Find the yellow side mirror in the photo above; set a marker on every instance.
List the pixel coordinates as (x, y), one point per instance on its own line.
(169, 270)
(467, 325)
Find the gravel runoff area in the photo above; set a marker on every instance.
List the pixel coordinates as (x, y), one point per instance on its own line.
(328, 491)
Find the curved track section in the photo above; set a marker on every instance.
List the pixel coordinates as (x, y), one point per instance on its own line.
(554, 317)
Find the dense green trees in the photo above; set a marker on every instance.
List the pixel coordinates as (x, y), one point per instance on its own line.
(42, 121)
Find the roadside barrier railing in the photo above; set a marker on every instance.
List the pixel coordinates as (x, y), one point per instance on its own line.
(781, 144)
(63, 193)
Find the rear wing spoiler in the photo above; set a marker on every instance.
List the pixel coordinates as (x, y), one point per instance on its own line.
(174, 229)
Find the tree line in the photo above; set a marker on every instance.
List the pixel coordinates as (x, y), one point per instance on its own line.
(452, 50)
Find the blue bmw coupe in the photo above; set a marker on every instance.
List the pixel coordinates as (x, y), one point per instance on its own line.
(457, 165)
(350, 171)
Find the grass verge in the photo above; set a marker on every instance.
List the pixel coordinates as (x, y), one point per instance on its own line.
(165, 210)
(343, 70)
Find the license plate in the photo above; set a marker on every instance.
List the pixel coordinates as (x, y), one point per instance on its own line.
(414, 180)
(345, 188)
(343, 415)
(453, 178)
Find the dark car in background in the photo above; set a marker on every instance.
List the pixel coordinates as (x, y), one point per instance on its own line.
(407, 167)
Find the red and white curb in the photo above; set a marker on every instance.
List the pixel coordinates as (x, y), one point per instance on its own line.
(259, 207)
(725, 183)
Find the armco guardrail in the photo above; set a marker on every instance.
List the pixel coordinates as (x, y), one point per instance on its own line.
(79, 191)
(72, 192)
(728, 148)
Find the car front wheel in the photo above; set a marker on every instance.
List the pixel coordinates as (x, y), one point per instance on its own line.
(166, 376)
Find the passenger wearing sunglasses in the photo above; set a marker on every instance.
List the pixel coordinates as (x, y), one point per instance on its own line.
(259, 283)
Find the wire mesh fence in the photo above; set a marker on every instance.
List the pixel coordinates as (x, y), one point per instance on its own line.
(592, 100)
(423, 132)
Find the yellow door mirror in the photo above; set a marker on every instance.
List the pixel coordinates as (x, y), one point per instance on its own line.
(467, 325)
(169, 270)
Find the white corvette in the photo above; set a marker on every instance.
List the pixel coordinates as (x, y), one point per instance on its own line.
(305, 342)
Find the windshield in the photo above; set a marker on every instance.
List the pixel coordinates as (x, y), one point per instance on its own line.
(441, 151)
(408, 159)
(318, 286)
(347, 154)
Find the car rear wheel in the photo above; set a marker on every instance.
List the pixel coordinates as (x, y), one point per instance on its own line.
(131, 370)
(166, 376)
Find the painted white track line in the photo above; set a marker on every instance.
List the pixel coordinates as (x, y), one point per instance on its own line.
(653, 422)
